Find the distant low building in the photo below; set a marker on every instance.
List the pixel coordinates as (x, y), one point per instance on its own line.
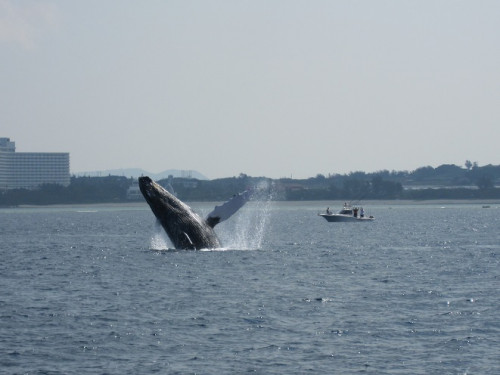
(134, 192)
(29, 170)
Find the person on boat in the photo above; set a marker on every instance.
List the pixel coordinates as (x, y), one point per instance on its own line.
(328, 212)
(355, 211)
(362, 212)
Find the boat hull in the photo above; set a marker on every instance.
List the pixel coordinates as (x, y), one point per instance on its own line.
(334, 218)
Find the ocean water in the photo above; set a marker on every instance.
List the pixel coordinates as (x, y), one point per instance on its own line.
(97, 290)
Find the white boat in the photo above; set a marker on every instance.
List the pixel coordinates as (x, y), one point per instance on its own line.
(347, 214)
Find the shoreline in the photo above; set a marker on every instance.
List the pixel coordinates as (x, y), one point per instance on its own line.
(313, 203)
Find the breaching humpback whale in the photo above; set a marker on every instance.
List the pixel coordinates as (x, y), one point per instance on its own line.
(185, 228)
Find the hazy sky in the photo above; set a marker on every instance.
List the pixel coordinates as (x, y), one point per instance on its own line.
(266, 88)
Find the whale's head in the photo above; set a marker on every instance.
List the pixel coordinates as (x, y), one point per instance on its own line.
(184, 227)
(164, 205)
(151, 190)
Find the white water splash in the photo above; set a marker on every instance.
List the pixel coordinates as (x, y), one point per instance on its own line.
(159, 240)
(247, 229)
(244, 231)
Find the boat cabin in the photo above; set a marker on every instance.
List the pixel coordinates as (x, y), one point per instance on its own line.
(346, 211)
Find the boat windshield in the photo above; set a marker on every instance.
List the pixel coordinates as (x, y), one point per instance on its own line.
(346, 211)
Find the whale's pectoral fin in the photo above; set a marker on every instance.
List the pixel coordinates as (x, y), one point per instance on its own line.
(227, 209)
(212, 221)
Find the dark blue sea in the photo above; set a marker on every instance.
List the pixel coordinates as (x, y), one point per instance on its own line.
(98, 290)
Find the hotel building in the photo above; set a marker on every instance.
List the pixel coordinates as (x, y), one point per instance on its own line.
(29, 170)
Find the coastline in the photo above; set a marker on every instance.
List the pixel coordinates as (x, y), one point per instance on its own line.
(333, 204)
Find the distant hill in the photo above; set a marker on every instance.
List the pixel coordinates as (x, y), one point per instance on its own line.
(138, 172)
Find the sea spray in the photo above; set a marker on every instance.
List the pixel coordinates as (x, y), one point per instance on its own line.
(159, 239)
(247, 229)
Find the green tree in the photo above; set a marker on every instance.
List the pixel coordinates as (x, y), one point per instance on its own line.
(484, 182)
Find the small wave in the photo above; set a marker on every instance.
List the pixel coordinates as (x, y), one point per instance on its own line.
(231, 249)
(216, 249)
(162, 250)
(318, 299)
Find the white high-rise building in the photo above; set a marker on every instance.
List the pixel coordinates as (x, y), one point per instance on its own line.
(28, 170)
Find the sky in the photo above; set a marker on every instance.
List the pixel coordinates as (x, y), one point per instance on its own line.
(275, 88)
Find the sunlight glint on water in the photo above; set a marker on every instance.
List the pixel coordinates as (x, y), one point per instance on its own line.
(414, 292)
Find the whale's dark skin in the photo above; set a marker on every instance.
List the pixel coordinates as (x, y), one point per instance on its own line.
(184, 227)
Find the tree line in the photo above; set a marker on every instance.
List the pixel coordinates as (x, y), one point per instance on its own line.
(80, 190)
(447, 181)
